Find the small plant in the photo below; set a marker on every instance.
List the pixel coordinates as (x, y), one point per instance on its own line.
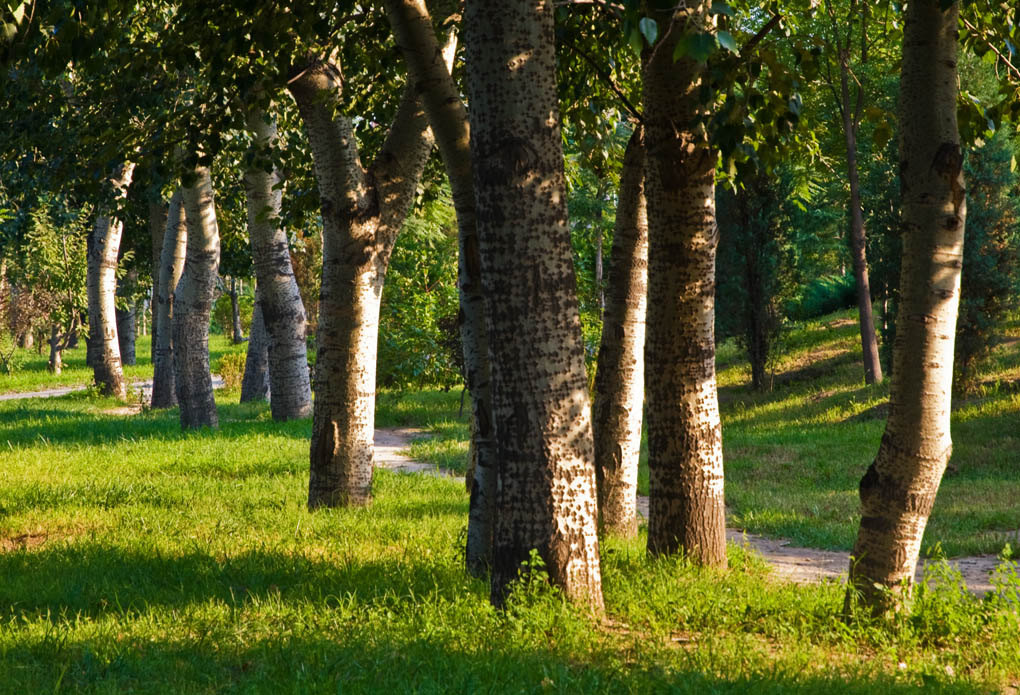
(10, 358)
(231, 368)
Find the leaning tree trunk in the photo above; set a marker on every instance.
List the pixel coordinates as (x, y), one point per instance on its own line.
(171, 265)
(898, 490)
(255, 383)
(158, 213)
(362, 212)
(429, 68)
(546, 495)
(102, 289)
(619, 379)
(282, 311)
(685, 461)
(192, 305)
(858, 239)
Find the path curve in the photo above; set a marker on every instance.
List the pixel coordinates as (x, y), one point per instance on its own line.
(789, 563)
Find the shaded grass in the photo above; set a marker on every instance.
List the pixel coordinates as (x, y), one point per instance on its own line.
(186, 562)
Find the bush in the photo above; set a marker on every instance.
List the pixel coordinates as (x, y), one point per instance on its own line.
(231, 368)
(222, 314)
(823, 296)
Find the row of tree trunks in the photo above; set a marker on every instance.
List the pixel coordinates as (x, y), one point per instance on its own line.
(173, 249)
(546, 495)
(105, 356)
(686, 507)
(278, 296)
(619, 379)
(898, 490)
(192, 305)
(362, 212)
(429, 68)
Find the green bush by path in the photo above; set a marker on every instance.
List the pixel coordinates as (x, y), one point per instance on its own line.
(137, 558)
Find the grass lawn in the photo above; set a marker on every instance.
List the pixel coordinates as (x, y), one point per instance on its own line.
(137, 558)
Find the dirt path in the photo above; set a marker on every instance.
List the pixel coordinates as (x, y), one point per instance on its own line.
(143, 387)
(790, 563)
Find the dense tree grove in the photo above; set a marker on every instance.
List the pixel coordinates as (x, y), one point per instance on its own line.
(616, 189)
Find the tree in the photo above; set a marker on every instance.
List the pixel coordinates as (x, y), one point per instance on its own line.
(898, 489)
(686, 508)
(545, 501)
(173, 250)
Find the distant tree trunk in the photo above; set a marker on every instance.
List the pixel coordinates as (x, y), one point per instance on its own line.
(362, 212)
(898, 490)
(282, 311)
(237, 331)
(126, 320)
(430, 70)
(546, 496)
(171, 266)
(255, 384)
(600, 286)
(56, 363)
(158, 212)
(686, 509)
(192, 305)
(102, 288)
(26, 340)
(619, 379)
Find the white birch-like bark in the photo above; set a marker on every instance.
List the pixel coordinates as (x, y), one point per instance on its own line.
(171, 265)
(255, 383)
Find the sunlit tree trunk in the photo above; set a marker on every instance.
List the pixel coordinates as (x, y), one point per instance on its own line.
(362, 212)
(429, 68)
(546, 495)
(898, 490)
(102, 289)
(686, 509)
(171, 265)
(255, 383)
(192, 305)
(280, 305)
(619, 379)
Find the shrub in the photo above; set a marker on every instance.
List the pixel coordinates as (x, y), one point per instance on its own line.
(231, 368)
(823, 296)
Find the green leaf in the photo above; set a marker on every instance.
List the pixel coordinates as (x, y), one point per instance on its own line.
(649, 28)
(637, 43)
(696, 46)
(727, 41)
(721, 8)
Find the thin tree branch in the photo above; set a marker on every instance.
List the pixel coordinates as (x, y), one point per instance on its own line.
(762, 33)
(608, 78)
(1012, 68)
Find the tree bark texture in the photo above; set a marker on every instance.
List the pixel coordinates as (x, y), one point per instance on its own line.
(686, 510)
(279, 298)
(235, 314)
(362, 212)
(255, 383)
(619, 379)
(429, 69)
(545, 499)
(158, 213)
(192, 305)
(126, 319)
(898, 490)
(102, 289)
(171, 266)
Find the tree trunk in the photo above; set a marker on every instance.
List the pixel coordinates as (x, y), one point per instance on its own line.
(255, 384)
(898, 490)
(102, 288)
(158, 213)
(546, 495)
(430, 70)
(858, 239)
(362, 212)
(235, 314)
(686, 509)
(56, 363)
(126, 334)
(171, 266)
(619, 379)
(192, 305)
(282, 311)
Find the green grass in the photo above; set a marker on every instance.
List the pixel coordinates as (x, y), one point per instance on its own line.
(137, 558)
(31, 373)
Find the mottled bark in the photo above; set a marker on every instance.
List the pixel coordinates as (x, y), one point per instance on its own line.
(686, 510)
(898, 490)
(545, 500)
(362, 212)
(619, 379)
(255, 383)
(429, 69)
(192, 305)
(282, 311)
(102, 288)
(126, 319)
(235, 314)
(171, 265)
(158, 213)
